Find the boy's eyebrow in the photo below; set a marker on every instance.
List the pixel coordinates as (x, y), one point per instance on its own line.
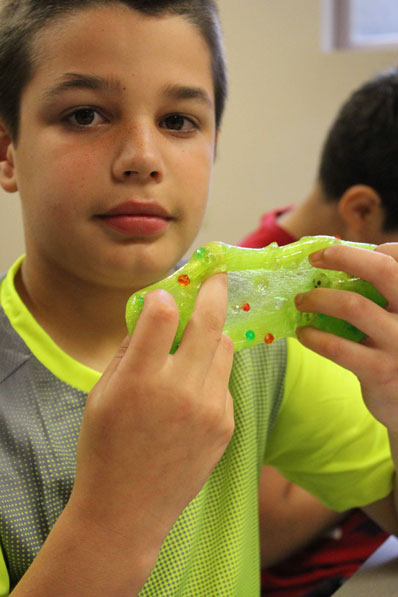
(79, 81)
(96, 82)
(182, 92)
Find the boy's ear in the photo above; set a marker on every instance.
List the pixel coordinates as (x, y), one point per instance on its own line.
(361, 208)
(7, 163)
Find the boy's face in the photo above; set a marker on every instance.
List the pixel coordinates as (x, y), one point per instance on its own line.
(116, 145)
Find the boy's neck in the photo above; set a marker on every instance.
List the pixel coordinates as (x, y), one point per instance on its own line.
(312, 217)
(86, 321)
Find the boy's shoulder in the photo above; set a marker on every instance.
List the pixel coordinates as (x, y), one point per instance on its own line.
(13, 350)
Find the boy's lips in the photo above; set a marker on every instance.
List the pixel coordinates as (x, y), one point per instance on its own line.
(137, 218)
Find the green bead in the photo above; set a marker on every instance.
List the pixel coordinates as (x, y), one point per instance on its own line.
(250, 335)
(201, 252)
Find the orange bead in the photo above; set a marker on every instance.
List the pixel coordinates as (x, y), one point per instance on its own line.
(268, 339)
(184, 280)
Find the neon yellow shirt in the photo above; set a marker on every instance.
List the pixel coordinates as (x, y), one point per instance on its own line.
(323, 438)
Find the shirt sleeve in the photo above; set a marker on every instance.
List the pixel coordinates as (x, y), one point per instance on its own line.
(325, 439)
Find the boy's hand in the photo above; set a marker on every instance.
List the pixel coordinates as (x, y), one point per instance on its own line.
(375, 359)
(156, 424)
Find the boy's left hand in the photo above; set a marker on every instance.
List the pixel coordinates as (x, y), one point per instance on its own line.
(375, 359)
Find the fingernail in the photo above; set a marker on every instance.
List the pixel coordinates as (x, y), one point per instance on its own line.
(316, 257)
(299, 299)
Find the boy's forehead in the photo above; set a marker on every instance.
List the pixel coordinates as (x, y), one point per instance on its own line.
(76, 50)
(125, 28)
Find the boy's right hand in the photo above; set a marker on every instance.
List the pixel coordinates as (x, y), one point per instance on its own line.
(156, 424)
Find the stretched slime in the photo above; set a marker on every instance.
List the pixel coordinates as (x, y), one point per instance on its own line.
(262, 285)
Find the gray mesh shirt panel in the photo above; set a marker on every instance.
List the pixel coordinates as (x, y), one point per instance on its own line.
(40, 418)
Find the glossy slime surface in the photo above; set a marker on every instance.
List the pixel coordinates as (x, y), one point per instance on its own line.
(262, 285)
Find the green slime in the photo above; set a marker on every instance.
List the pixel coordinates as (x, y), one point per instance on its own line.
(262, 285)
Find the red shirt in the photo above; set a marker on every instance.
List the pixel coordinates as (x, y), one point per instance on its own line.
(320, 568)
(269, 231)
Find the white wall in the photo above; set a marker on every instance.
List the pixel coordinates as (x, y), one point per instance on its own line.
(284, 92)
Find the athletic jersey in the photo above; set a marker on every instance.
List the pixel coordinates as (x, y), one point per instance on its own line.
(323, 435)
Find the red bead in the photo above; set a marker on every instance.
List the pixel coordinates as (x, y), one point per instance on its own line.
(184, 280)
(246, 307)
(269, 339)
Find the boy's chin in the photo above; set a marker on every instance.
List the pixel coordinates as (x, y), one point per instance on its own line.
(133, 275)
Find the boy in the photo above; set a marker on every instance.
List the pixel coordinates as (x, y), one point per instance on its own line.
(111, 148)
(355, 191)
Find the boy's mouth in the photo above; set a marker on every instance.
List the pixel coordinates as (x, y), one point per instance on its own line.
(137, 218)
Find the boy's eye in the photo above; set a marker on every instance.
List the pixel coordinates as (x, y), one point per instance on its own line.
(85, 117)
(178, 122)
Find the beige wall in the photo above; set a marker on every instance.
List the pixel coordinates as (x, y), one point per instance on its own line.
(284, 93)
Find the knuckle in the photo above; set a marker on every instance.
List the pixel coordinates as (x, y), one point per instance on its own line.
(121, 351)
(186, 411)
(185, 404)
(208, 323)
(355, 302)
(385, 370)
(217, 420)
(211, 417)
(389, 268)
(214, 323)
(162, 312)
(330, 347)
(227, 345)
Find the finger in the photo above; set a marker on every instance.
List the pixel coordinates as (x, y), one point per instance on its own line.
(372, 320)
(369, 365)
(389, 249)
(378, 268)
(113, 365)
(155, 331)
(203, 331)
(217, 382)
(220, 369)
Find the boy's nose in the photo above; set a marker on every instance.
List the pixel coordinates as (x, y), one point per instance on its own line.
(138, 158)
